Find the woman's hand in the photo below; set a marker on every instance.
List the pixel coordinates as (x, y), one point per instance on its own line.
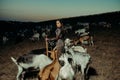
(50, 39)
(46, 39)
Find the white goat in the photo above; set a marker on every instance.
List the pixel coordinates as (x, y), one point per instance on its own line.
(66, 71)
(81, 59)
(75, 48)
(36, 36)
(85, 33)
(5, 39)
(43, 34)
(80, 31)
(79, 48)
(27, 61)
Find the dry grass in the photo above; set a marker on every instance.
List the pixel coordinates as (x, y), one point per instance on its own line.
(105, 57)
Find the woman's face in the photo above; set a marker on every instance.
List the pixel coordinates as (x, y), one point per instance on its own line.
(58, 24)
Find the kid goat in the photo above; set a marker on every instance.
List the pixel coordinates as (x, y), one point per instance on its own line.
(66, 71)
(50, 71)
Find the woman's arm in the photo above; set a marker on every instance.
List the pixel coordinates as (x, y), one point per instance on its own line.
(57, 35)
(54, 38)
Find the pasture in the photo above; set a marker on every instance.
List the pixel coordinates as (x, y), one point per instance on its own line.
(105, 56)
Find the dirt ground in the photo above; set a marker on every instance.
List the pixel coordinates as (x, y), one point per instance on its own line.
(105, 56)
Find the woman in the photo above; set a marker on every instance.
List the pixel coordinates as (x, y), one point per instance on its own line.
(59, 37)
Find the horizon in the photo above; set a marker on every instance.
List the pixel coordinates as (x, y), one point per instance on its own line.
(39, 11)
(63, 18)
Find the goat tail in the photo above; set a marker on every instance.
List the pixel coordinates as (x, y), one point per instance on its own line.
(14, 60)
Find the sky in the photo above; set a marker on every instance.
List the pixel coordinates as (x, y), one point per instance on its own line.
(43, 10)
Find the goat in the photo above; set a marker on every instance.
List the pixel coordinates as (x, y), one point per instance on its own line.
(50, 71)
(5, 39)
(85, 39)
(75, 48)
(66, 71)
(85, 33)
(81, 59)
(79, 48)
(80, 31)
(35, 37)
(44, 35)
(31, 60)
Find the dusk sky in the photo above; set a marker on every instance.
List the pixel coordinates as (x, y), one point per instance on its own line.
(42, 10)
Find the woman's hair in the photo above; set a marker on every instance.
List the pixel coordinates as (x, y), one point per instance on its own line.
(60, 21)
(62, 27)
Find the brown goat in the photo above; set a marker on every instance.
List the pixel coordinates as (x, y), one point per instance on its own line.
(50, 72)
(85, 38)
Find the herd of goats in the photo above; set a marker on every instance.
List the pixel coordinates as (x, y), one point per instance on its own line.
(39, 32)
(75, 59)
(52, 67)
